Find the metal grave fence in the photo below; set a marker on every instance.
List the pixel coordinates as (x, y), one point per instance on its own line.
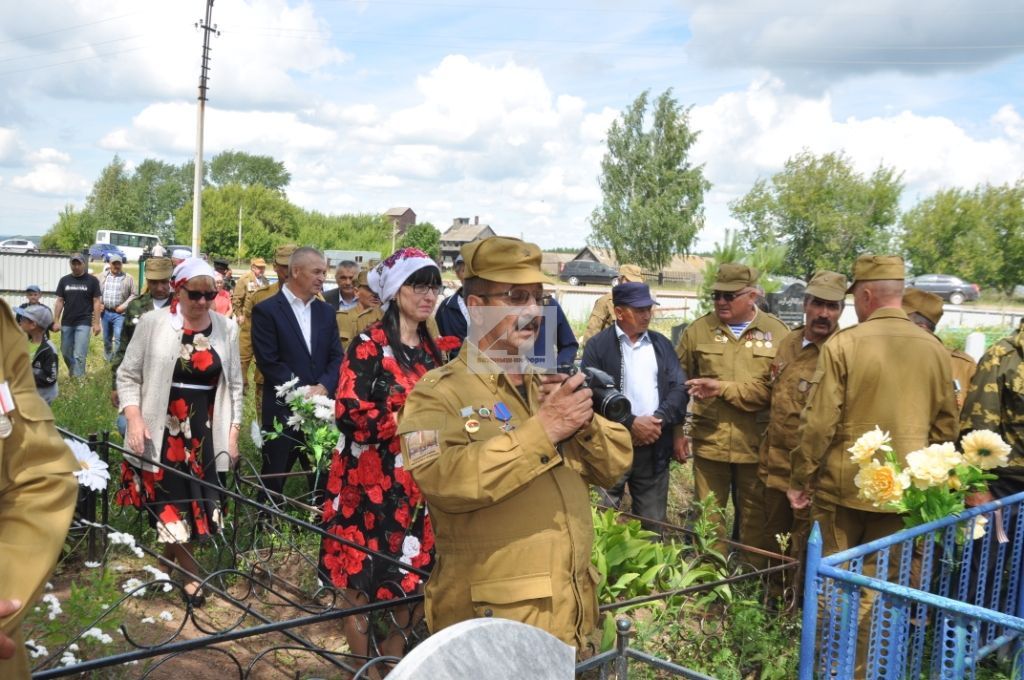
(931, 601)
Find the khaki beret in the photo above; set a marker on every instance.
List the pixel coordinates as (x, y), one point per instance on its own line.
(826, 285)
(630, 273)
(361, 278)
(924, 303)
(877, 268)
(159, 268)
(283, 254)
(503, 259)
(258, 262)
(733, 276)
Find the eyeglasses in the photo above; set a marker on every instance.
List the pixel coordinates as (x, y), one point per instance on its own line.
(424, 288)
(520, 297)
(728, 297)
(197, 295)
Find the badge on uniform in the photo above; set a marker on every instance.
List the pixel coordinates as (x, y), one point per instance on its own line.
(6, 406)
(803, 385)
(472, 426)
(421, 445)
(466, 411)
(484, 412)
(502, 413)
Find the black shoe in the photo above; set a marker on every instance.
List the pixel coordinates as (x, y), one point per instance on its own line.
(197, 598)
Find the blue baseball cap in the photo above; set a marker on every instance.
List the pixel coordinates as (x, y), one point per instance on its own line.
(632, 294)
(33, 289)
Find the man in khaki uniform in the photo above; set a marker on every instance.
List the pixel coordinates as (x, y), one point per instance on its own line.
(785, 389)
(353, 321)
(503, 456)
(737, 343)
(925, 309)
(282, 256)
(603, 315)
(247, 284)
(883, 372)
(37, 493)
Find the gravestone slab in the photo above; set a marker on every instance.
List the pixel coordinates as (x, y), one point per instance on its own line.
(496, 649)
(788, 304)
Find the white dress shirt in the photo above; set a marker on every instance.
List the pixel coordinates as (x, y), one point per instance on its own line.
(303, 314)
(639, 373)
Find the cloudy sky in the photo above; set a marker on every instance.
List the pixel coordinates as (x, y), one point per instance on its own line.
(499, 108)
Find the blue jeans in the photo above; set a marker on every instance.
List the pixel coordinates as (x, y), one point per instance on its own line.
(112, 323)
(74, 347)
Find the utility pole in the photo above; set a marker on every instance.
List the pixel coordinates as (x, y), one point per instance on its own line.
(197, 196)
(239, 231)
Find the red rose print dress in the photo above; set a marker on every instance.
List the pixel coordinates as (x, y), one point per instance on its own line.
(179, 508)
(371, 500)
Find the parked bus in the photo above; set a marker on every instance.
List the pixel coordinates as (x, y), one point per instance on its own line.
(130, 243)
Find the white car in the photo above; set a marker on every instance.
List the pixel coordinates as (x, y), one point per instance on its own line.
(18, 245)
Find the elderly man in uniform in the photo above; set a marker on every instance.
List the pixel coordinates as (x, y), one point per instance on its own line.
(351, 322)
(737, 343)
(603, 315)
(925, 309)
(503, 456)
(883, 372)
(282, 256)
(37, 494)
(247, 284)
(784, 390)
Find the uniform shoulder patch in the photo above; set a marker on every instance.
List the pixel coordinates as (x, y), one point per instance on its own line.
(420, 446)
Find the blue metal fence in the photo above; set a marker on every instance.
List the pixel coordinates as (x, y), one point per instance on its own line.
(936, 601)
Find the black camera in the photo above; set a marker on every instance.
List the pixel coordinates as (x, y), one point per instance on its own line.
(608, 401)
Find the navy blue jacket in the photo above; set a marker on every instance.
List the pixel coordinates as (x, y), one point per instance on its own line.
(604, 351)
(450, 321)
(281, 354)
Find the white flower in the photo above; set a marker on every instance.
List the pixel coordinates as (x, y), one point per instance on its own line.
(36, 650)
(186, 352)
(49, 586)
(257, 435)
(166, 616)
(985, 449)
(931, 465)
(186, 429)
(868, 444)
(149, 619)
(285, 388)
(295, 395)
(98, 635)
(131, 585)
(295, 421)
(51, 601)
(68, 659)
(980, 527)
(93, 473)
(325, 413)
(410, 547)
(73, 647)
(173, 425)
(201, 342)
(160, 576)
(92, 565)
(118, 538)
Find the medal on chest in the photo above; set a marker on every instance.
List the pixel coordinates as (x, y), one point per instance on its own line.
(502, 413)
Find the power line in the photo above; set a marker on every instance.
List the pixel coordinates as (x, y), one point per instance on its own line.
(68, 28)
(36, 55)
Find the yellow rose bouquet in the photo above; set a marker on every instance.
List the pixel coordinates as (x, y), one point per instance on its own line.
(934, 482)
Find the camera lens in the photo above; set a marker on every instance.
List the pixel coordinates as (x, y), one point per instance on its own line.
(614, 406)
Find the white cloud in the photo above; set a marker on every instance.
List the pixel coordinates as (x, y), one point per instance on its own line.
(48, 155)
(52, 179)
(11, 147)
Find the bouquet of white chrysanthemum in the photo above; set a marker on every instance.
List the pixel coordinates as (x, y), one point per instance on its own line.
(934, 482)
(312, 416)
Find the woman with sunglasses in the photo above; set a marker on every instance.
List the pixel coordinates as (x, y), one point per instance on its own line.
(371, 500)
(181, 391)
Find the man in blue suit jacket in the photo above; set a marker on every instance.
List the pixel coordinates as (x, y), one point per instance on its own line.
(294, 335)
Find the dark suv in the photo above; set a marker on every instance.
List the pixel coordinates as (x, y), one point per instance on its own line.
(579, 272)
(950, 288)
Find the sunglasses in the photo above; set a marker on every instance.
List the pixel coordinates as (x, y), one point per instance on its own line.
(728, 297)
(197, 295)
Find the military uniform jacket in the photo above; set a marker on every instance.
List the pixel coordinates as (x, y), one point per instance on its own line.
(996, 398)
(136, 308)
(601, 317)
(886, 372)
(708, 349)
(354, 321)
(785, 391)
(247, 284)
(963, 368)
(245, 330)
(511, 512)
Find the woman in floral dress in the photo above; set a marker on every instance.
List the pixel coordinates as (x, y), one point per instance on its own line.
(372, 501)
(181, 378)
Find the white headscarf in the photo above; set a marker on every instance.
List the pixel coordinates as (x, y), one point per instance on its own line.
(187, 269)
(387, 277)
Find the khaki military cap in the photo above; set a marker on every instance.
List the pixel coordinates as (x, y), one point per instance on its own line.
(877, 268)
(733, 276)
(361, 278)
(630, 273)
(926, 304)
(503, 259)
(258, 262)
(159, 268)
(283, 254)
(826, 285)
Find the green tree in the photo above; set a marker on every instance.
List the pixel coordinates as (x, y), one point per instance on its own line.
(822, 210)
(767, 258)
(364, 231)
(653, 197)
(268, 219)
(976, 234)
(424, 236)
(111, 202)
(239, 167)
(159, 189)
(72, 231)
